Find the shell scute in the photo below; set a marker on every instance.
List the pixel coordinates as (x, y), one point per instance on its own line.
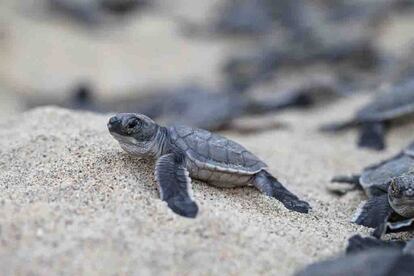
(216, 152)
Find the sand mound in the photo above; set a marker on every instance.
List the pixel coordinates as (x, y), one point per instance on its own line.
(72, 202)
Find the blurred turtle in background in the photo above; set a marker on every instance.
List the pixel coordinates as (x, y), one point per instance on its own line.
(301, 32)
(357, 244)
(201, 107)
(400, 69)
(389, 186)
(348, 60)
(94, 12)
(297, 17)
(374, 118)
(298, 33)
(242, 17)
(367, 256)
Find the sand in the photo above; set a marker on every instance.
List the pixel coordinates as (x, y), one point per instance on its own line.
(73, 203)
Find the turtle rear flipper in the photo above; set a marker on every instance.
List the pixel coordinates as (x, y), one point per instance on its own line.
(372, 136)
(373, 212)
(270, 186)
(175, 185)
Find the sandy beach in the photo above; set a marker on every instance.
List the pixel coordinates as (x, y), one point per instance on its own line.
(72, 202)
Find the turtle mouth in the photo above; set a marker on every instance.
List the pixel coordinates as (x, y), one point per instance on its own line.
(124, 138)
(403, 206)
(403, 200)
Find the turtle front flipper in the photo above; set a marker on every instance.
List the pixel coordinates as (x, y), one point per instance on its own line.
(270, 186)
(374, 212)
(372, 136)
(175, 185)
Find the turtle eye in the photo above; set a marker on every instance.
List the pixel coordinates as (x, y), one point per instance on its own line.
(132, 123)
(394, 188)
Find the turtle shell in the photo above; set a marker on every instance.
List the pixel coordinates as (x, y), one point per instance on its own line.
(213, 151)
(378, 176)
(390, 105)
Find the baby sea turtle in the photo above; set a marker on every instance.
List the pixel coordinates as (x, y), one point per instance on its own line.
(246, 70)
(390, 189)
(95, 12)
(194, 105)
(253, 18)
(371, 258)
(183, 151)
(357, 243)
(373, 118)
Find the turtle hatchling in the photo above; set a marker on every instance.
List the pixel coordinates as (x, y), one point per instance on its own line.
(357, 244)
(373, 118)
(368, 257)
(390, 189)
(182, 152)
(194, 105)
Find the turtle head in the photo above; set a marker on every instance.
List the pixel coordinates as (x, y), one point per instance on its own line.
(136, 133)
(401, 195)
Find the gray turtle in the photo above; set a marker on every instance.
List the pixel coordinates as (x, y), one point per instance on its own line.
(372, 119)
(194, 105)
(95, 12)
(357, 243)
(367, 256)
(183, 151)
(390, 189)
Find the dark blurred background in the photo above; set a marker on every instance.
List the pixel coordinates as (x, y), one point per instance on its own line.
(191, 60)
